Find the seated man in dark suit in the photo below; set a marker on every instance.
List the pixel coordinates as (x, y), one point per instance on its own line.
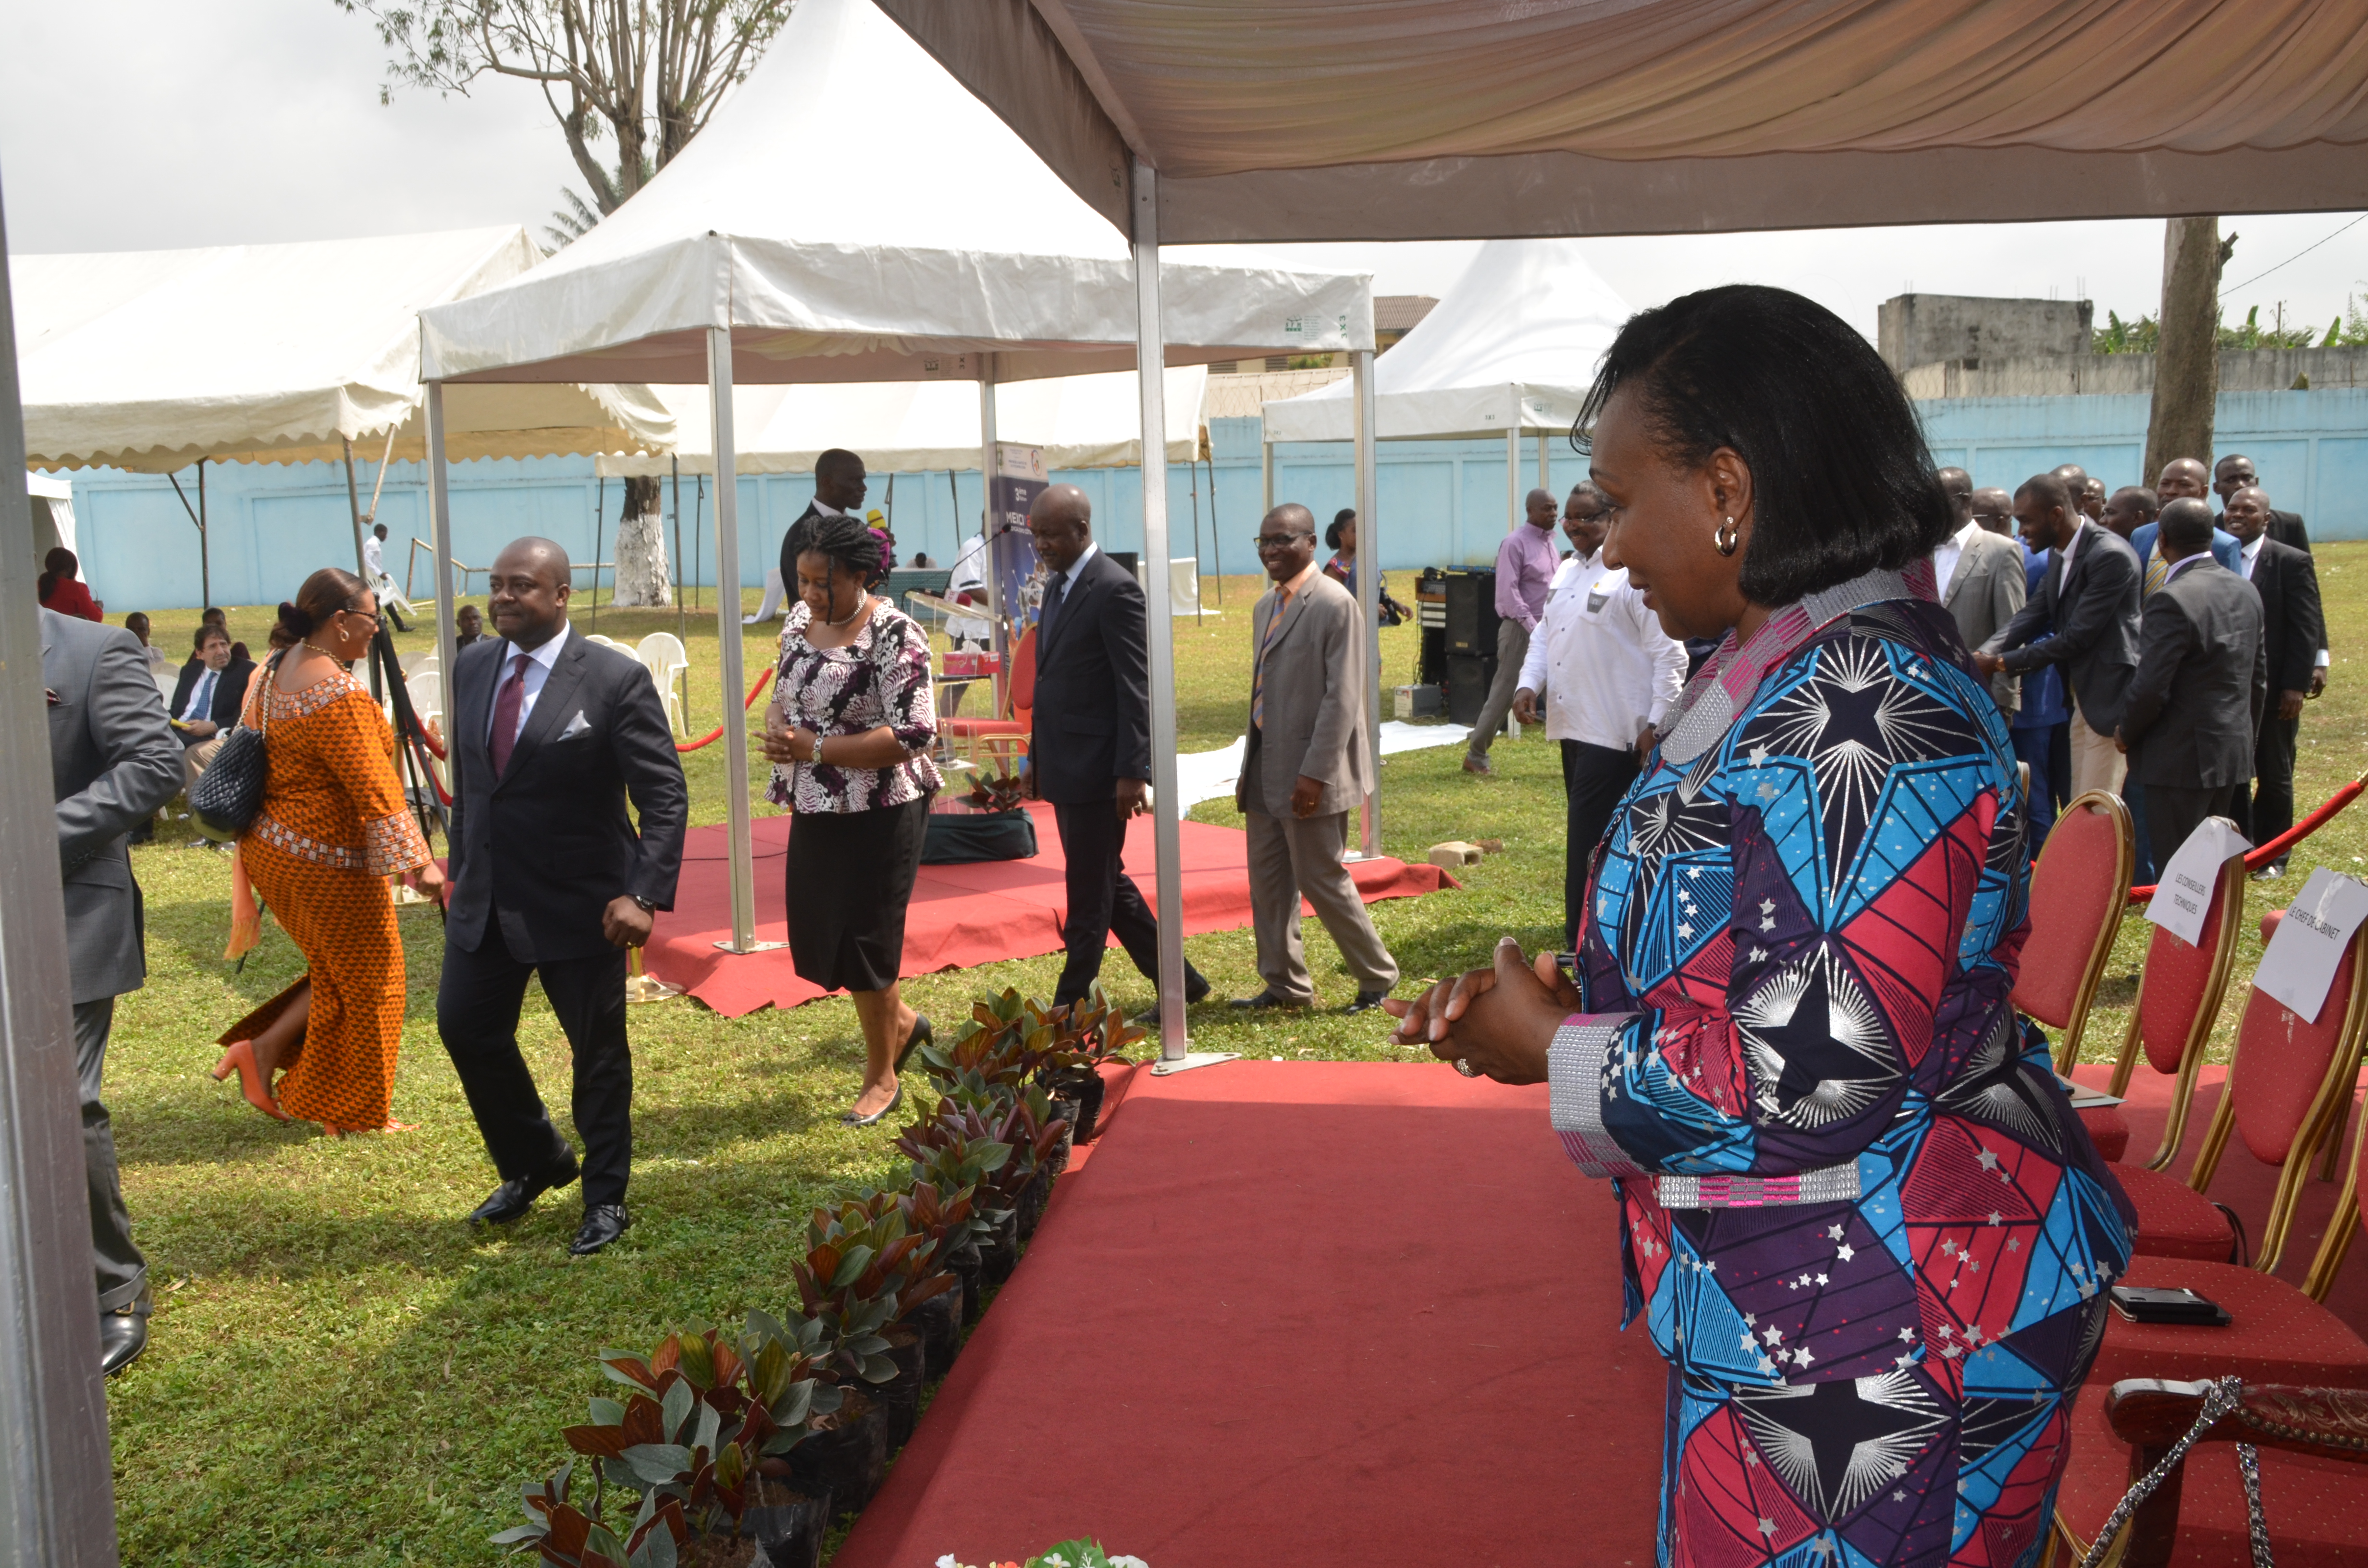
(551, 877)
(207, 701)
(2195, 701)
(2293, 627)
(1091, 752)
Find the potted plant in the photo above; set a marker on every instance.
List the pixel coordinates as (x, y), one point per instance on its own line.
(946, 1220)
(866, 1272)
(703, 1438)
(1086, 1033)
(564, 1536)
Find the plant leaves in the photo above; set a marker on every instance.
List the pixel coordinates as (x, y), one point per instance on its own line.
(658, 1464)
(600, 1442)
(851, 1269)
(519, 1533)
(644, 1422)
(695, 1358)
(606, 1412)
(679, 1399)
(627, 1368)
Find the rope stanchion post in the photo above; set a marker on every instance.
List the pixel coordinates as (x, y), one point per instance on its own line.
(717, 733)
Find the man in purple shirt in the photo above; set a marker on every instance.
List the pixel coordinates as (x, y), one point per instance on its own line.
(1525, 569)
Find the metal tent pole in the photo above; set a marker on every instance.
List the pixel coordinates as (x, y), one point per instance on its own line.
(439, 519)
(1266, 477)
(1512, 470)
(1216, 533)
(998, 641)
(361, 570)
(1369, 595)
(681, 625)
(1150, 364)
(600, 522)
(205, 546)
(727, 636)
(57, 1503)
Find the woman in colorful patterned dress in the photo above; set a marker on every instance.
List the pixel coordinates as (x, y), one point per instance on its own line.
(849, 732)
(1869, 1234)
(333, 827)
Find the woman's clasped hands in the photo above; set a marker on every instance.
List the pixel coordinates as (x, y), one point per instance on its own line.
(1494, 1022)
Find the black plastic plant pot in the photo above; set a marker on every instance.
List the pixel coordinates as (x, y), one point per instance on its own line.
(966, 1264)
(787, 1526)
(1081, 1090)
(998, 1250)
(1030, 1211)
(939, 1321)
(847, 1461)
(900, 1396)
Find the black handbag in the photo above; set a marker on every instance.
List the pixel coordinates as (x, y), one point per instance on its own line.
(227, 795)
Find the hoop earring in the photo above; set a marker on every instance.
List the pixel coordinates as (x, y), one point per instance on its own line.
(1725, 539)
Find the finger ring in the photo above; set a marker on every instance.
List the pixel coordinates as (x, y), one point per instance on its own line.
(1467, 1068)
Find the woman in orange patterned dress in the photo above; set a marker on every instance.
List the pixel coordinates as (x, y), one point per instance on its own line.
(333, 825)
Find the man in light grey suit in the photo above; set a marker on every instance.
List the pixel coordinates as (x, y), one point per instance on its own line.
(1304, 768)
(114, 760)
(1980, 578)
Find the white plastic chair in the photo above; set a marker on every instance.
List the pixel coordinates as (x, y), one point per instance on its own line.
(167, 677)
(427, 688)
(663, 654)
(606, 642)
(410, 661)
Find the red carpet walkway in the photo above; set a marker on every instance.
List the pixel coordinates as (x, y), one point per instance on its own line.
(960, 915)
(1314, 1314)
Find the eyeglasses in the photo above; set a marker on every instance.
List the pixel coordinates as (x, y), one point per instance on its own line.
(1264, 543)
(375, 618)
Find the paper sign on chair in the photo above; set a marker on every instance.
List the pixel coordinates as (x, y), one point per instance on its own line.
(2300, 965)
(2184, 894)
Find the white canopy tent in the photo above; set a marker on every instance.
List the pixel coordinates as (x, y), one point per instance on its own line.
(1092, 421)
(797, 240)
(1510, 349)
(154, 361)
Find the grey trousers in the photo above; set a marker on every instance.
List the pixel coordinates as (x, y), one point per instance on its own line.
(1292, 856)
(2173, 811)
(122, 1272)
(1512, 647)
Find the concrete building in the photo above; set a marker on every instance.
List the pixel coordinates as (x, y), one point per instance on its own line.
(1964, 329)
(2077, 375)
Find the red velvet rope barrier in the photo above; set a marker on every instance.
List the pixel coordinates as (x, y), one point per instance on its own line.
(2256, 858)
(716, 733)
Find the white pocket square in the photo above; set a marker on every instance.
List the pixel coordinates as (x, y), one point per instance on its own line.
(575, 726)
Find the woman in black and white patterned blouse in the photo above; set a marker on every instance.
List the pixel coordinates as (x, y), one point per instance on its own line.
(849, 732)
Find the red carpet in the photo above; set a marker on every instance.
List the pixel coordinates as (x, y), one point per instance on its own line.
(1312, 1314)
(960, 915)
(2244, 1183)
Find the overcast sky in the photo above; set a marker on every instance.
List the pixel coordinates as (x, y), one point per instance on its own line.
(147, 124)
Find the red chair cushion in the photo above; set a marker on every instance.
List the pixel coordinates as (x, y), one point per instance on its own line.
(2175, 977)
(2281, 1061)
(2317, 1508)
(2075, 891)
(2276, 1334)
(2174, 1219)
(2109, 1130)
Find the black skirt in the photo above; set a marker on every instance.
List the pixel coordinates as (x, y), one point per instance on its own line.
(850, 876)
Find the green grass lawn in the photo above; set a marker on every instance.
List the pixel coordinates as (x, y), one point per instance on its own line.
(342, 1372)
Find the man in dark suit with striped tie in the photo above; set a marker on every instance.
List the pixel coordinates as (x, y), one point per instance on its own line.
(1090, 751)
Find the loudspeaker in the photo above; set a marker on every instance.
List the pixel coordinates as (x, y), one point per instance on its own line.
(1472, 614)
(1468, 680)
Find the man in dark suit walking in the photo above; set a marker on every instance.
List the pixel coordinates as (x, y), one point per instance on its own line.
(549, 877)
(2089, 597)
(2294, 628)
(2235, 471)
(1090, 751)
(839, 489)
(113, 761)
(2196, 698)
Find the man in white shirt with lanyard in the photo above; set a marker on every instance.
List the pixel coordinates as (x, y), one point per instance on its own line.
(1607, 673)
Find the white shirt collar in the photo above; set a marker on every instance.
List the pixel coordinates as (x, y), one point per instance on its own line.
(547, 656)
(1965, 536)
(1070, 576)
(2186, 560)
(825, 508)
(2254, 549)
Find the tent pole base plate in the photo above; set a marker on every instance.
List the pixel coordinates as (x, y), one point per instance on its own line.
(1189, 1059)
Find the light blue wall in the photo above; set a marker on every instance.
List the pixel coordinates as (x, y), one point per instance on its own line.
(1443, 503)
(2311, 447)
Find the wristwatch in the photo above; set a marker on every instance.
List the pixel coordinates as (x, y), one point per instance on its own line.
(649, 905)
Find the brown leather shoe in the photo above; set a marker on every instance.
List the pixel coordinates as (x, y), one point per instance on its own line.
(1475, 762)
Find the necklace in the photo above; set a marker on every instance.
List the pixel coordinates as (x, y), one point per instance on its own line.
(859, 598)
(323, 652)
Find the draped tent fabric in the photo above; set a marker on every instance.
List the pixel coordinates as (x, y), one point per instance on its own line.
(843, 244)
(1521, 330)
(1077, 421)
(1370, 119)
(149, 360)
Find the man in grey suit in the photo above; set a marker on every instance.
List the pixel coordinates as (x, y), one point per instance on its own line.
(2203, 676)
(1304, 768)
(113, 760)
(1980, 578)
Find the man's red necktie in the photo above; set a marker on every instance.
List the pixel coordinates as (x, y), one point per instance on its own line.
(505, 714)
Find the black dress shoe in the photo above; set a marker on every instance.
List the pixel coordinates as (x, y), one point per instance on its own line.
(1262, 1000)
(603, 1223)
(1366, 1001)
(123, 1335)
(513, 1199)
(922, 1035)
(1196, 991)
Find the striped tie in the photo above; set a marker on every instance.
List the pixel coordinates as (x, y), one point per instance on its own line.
(2158, 570)
(1257, 676)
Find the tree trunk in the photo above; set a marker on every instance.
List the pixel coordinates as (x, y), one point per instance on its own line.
(641, 575)
(2187, 364)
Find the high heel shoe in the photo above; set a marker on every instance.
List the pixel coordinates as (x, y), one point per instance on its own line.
(852, 1120)
(922, 1035)
(240, 1058)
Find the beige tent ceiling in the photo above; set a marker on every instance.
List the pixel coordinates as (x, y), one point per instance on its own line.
(1383, 119)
